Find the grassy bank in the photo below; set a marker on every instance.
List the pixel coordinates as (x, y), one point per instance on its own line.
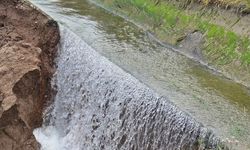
(171, 23)
(244, 5)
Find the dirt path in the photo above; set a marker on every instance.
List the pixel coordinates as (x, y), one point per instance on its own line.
(28, 44)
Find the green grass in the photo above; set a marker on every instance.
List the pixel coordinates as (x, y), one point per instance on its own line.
(234, 3)
(221, 46)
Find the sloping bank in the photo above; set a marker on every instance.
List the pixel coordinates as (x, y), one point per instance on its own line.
(213, 32)
(28, 44)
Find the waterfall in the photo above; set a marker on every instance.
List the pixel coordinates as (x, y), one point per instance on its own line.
(100, 106)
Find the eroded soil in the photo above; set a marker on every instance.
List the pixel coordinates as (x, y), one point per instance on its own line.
(28, 44)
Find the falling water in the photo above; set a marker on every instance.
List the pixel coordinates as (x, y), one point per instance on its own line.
(100, 106)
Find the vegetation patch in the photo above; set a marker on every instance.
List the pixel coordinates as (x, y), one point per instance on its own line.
(171, 23)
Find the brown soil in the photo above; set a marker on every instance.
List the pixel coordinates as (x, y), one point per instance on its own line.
(28, 44)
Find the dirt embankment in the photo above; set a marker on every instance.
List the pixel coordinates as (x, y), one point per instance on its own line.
(28, 44)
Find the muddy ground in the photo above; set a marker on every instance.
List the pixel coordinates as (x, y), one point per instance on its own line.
(28, 45)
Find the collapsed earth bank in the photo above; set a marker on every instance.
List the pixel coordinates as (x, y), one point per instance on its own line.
(28, 44)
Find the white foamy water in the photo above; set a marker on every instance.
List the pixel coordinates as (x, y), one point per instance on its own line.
(49, 138)
(100, 106)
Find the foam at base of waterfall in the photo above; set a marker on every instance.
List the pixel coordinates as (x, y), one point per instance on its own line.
(49, 138)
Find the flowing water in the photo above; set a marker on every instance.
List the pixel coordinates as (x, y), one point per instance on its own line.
(97, 102)
(99, 106)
